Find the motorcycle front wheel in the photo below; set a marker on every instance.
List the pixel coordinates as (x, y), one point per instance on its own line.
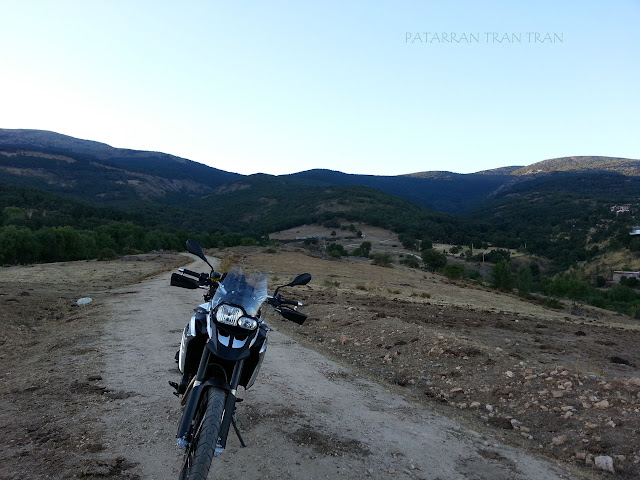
(197, 458)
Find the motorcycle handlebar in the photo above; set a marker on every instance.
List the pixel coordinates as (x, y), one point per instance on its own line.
(280, 300)
(189, 272)
(204, 278)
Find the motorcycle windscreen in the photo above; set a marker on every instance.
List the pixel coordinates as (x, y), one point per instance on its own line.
(246, 291)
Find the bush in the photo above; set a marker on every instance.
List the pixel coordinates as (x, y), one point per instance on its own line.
(107, 254)
(502, 278)
(494, 256)
(524, 282)
(426, 244)
(383, 259)
(553, 303)
(621, 293)
(408, 241)
(336, 250)
(454, 271)
(474, 275)
(411, 261)
(364, 250)
(567, 285)
(434, 260)
(332, 223)
(600, 281)
(631, 282)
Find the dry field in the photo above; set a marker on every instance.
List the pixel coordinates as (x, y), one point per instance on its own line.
(51, 390)
(564, 385)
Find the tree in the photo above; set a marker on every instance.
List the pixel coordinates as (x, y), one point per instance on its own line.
(631, 282)
(408, 241)
(17, 245)
(524, 281)
(411, 261)
(502, 278)
(336, 250)
(364, 250)
(600, 281)
(383, 259)
(14, 216)
(426, 244)
(567, 285)
(433, 259)
(454, 271)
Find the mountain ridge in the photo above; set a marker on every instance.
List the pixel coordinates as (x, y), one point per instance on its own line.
(559, 208)
(102, 174)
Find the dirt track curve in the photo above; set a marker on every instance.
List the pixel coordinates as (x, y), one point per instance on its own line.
(306, 418)
(85, 394)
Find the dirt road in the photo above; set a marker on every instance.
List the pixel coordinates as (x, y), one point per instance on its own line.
(84, 391)
(306, 418)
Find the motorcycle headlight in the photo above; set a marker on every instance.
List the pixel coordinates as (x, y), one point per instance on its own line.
(247, 323)
(230, 315)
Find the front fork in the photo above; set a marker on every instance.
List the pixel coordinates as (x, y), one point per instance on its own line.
(199, 388)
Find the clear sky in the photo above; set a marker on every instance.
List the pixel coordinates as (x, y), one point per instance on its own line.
(370, 87)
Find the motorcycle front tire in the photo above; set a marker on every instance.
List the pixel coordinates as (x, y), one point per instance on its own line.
(199, 454)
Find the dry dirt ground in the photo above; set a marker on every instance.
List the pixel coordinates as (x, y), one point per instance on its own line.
(562, 384)
(84, 394)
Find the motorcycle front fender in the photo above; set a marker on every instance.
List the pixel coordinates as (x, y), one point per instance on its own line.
(192, 404)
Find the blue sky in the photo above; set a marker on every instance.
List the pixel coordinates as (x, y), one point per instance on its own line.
(371, 87)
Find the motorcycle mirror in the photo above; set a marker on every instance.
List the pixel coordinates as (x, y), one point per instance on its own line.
(301, 279)
(195, 248)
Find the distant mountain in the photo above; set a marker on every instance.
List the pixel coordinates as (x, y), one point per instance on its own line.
(499, 171)
(445, 192)
(565, 216)
(559, 208)
(101, 174)
(457, 193)
(623, 166)
(265, 203)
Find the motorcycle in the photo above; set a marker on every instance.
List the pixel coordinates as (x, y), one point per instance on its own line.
(222, 348)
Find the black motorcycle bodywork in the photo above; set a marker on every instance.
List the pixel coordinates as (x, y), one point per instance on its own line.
(221, 351)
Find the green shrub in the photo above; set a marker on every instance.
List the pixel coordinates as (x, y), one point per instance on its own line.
(383, 259)
(434, 260)
(454, 271)
(474, 275)
(631, 282)
(411, 261)
(107, 254)
(336, 250)
(567, 285)
(364, 250)
(621, 293)
(502, 278)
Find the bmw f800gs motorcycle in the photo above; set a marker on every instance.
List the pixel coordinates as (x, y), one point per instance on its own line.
(222, 348)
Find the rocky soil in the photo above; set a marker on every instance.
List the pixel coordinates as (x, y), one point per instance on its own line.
(563, 385)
